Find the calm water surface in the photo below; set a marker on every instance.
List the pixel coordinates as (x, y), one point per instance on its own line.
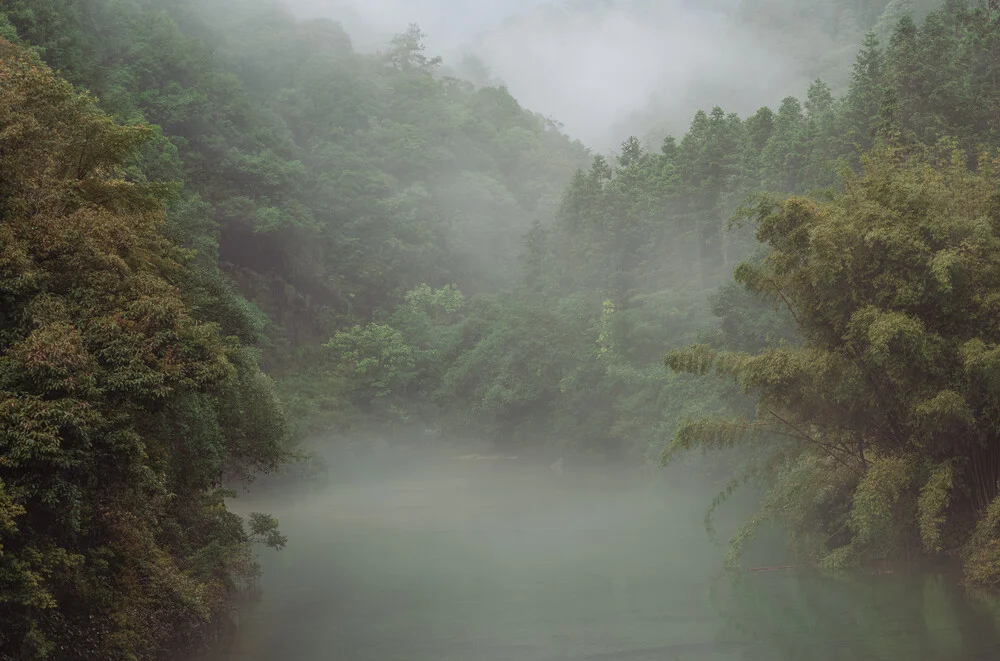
(498, 561)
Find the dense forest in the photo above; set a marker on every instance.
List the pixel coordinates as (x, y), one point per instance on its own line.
(226, 233)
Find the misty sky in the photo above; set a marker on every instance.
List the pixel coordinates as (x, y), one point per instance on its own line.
(594, 65)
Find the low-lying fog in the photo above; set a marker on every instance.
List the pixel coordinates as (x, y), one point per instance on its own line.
(484, 558)
(497, 559)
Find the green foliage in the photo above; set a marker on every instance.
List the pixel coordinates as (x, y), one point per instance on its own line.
(932, 507)
(891, 285)
(264, 530)
(447, 299)
(882, 507)
(981, 553)
(335, 180)
(326, 181)
(106, 361)
(376, 356)
(640, 219)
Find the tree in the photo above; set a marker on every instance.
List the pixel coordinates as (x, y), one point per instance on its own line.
(407, 52)
(865, 94)
(783, 156)
(376, 356)
(881, 425)
(113, 433)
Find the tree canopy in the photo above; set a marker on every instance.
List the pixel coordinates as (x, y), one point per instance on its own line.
(121, 404)
(880, 424)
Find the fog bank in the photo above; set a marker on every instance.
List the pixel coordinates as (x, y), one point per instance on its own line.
(488, 558)
(603, 68)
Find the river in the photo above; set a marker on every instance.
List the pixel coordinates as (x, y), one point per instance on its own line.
(502, 560)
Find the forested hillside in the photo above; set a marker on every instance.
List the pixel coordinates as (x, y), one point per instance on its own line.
(875, 433)
(400, 250)
(126, 391)
(323, 182)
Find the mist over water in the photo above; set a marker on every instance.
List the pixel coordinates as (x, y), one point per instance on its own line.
(483, 559)
(490, 559)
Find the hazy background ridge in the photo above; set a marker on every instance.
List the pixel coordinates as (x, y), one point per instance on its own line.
(610, 68)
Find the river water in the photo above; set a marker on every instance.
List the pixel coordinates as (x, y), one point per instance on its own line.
(497, 560)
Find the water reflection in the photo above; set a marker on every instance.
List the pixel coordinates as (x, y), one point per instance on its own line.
(908, 614)
(511, 563)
